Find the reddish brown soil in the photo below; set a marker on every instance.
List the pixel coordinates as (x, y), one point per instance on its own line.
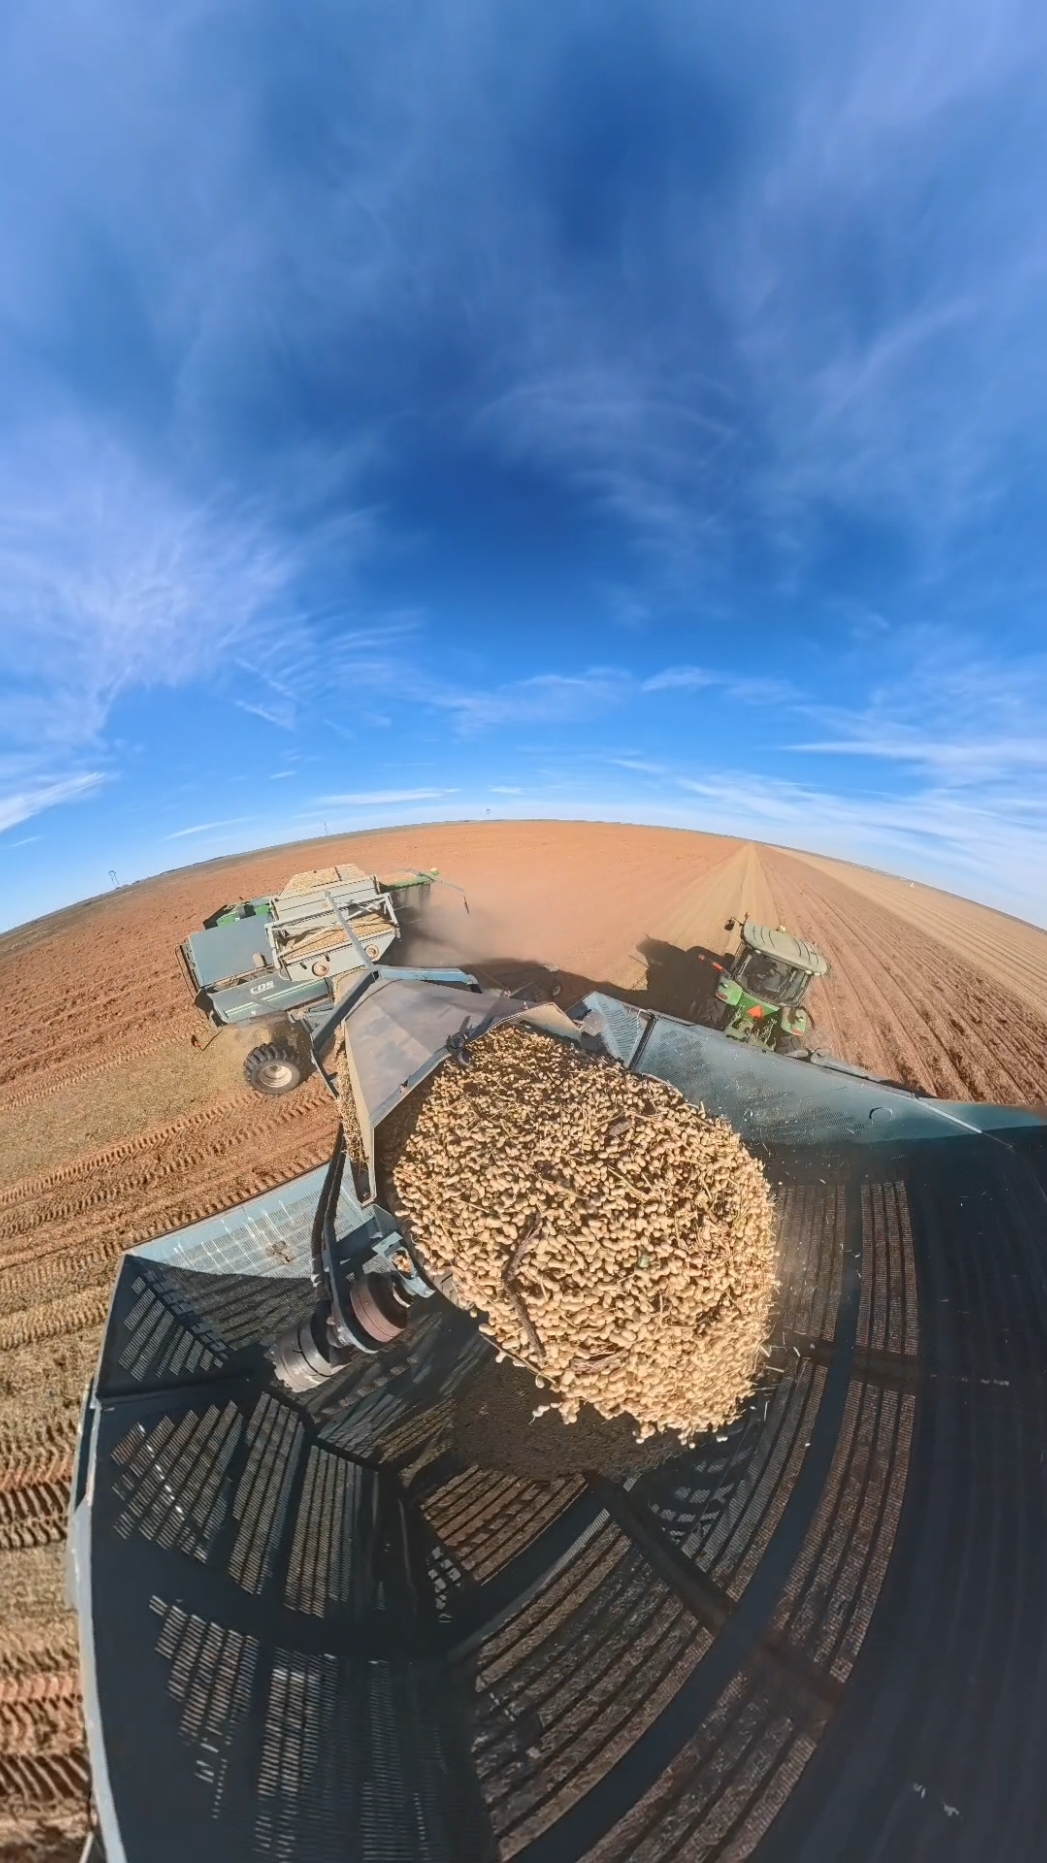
(114, 1129)
(907, 1006)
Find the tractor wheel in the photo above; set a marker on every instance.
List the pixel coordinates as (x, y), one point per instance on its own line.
(791, 1044)
(273, 1068)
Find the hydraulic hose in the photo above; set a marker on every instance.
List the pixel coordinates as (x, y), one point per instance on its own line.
(323, 1220)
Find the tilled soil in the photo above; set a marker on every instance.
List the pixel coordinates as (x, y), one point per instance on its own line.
(113, 1129)
(906, 1006)
(992, 943)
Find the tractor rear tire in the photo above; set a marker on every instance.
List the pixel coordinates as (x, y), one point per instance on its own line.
(273, 1068)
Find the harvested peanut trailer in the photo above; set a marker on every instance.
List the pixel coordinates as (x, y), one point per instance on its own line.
(343, 1594)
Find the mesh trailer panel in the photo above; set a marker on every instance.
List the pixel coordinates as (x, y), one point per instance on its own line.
(311, 1632)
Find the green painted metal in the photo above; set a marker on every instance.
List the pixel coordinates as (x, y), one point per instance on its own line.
(762, 993)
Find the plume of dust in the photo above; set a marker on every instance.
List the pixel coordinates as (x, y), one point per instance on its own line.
(521, 919)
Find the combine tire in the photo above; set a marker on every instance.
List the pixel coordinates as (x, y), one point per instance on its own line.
(274, 1068)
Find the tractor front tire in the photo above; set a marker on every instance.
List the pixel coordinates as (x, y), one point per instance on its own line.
(273, 1068)
(791, 1044)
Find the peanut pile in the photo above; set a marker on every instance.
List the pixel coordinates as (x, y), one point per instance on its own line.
(615, 1240)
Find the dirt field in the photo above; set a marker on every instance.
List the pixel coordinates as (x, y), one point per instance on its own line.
(113, 1129)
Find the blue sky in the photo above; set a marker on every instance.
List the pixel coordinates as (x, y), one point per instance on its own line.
(412, 410)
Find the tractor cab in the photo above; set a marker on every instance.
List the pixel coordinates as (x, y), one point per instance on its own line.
(761, 994)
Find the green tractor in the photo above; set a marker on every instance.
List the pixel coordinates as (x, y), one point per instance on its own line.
(759, 997)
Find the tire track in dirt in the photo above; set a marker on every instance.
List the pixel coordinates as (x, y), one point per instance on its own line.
(35, 1478)
(58, 1082)
(52, 1319)
(91, 1164)
(54, 1695)
(243, 1125)
(38, 1631)
(34, 1464)
(138, 1205)
(894, 995)
(34, 1277)
(69, 1049)
(48, 1441)
(44, 1779)
(57, 1271)
(40, 1413)
(34, 1513)
(757, 900)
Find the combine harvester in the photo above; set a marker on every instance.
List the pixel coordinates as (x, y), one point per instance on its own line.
(284, 959)
(311, 1632)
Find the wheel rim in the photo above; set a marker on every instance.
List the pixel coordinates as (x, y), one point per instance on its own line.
(277, 1074)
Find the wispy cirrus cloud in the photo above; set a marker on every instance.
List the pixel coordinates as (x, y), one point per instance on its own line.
(284, 717)
(110, 580)
(542, 699)
(680, 679)
(640, 766)
(553, 699)
(748, 691)
(945, 709)
(376, 798)
(21, 804)
(233, 821)
(988, 853)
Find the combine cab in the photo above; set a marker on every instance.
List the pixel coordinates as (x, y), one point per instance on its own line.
(760, 997)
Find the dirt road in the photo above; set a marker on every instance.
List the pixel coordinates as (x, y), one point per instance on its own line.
(114, 1129)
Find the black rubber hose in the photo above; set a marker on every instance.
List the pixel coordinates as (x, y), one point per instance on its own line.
(327, 1202)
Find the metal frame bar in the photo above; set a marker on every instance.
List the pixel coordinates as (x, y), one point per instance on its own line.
(196, 990)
